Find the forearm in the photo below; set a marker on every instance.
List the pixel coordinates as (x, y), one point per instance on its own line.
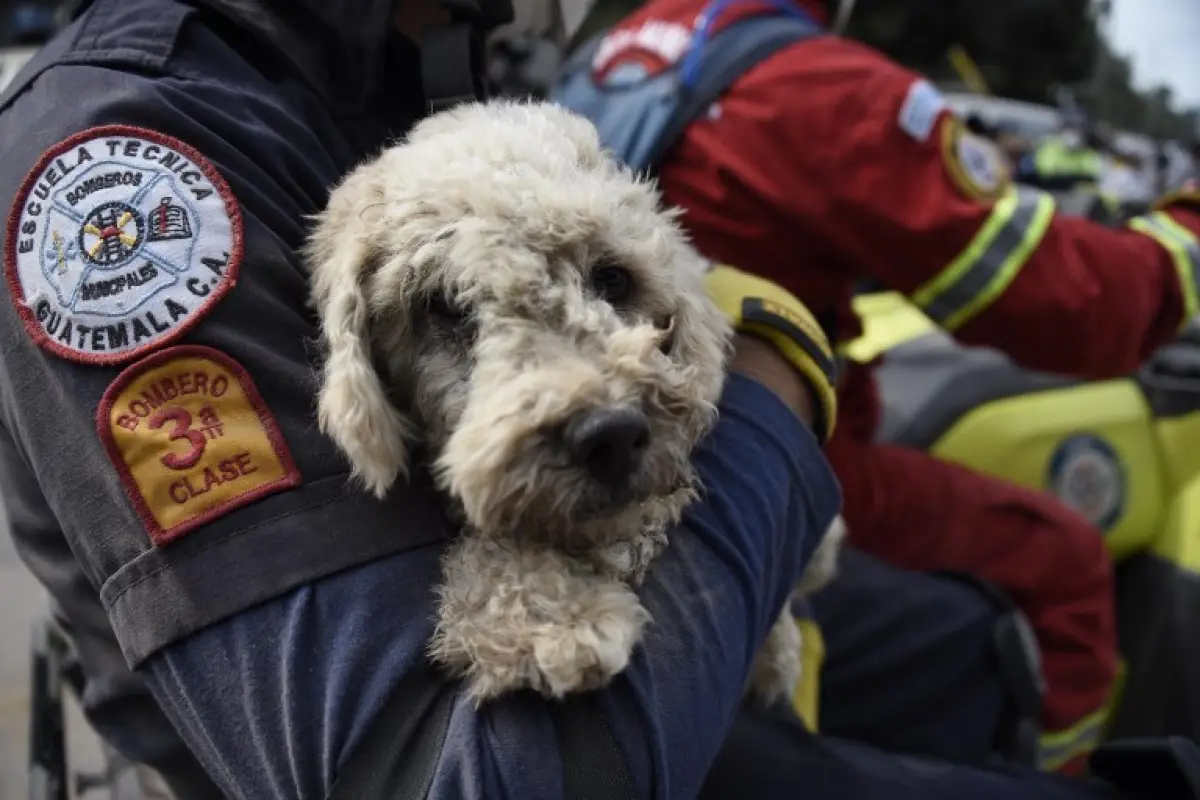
(713, 595)
(1090, 302)
(758, 360)
(720, 586)
(308, 672)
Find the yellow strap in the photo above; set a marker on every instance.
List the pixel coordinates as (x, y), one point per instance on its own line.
(806, 696)
(990, 262)
(1184, 250)
(758, 306)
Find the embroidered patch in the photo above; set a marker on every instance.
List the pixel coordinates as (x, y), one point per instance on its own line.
(1086, 474)
(666, 41)
(920, 110)
(192, 439)
(120, 240)
(974, 164)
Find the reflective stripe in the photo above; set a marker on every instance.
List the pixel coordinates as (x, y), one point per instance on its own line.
(1058, 748)
(990, 262)
(1055, 159)
(1185, 253)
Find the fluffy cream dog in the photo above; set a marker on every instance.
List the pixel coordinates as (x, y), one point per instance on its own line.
(503, 301)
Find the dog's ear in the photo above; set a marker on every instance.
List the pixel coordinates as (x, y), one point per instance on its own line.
(703, 336)
(353, 407)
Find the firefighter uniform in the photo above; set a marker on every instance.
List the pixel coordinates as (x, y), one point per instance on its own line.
(826, 164)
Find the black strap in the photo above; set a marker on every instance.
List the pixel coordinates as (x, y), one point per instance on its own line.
(1152, 768)
(452, 65)
(399, 753)
(593, 766)
(730, 53)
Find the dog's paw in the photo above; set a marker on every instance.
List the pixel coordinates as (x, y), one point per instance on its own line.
(564, 659)
(776, 669)
(513, 618)
(574, 653)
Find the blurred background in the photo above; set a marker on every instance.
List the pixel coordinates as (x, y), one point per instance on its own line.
(1015, 69)
(1131, 68)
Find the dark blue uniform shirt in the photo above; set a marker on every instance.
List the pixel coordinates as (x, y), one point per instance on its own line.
(272, 633)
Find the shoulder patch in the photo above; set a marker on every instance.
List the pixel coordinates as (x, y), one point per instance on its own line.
(1086, 474)
(974, 164)
(119, 240)
(920, 110)
(192, 439)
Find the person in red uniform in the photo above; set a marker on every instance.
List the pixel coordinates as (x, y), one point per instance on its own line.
(826, 164)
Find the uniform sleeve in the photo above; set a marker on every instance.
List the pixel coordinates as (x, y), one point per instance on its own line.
(272, 623)
(917, 202)
(301, 677)
(118, 705)
(187, 474)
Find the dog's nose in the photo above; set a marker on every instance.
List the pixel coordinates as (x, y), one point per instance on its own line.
(608, 443)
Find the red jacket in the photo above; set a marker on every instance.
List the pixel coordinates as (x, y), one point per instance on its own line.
(827, 164)
(824, 165)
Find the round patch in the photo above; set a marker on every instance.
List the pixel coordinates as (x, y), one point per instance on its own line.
(120, 240)
(1086, 474)
(975, 164)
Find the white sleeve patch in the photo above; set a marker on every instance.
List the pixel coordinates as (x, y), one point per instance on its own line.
(920, 110)
(120, 240)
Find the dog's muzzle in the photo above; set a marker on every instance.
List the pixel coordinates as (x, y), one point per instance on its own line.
(609, 445)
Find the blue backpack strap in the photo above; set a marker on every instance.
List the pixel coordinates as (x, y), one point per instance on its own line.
(726, 57)
(641, 117)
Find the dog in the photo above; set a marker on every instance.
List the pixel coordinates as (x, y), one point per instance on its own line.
(505, 303)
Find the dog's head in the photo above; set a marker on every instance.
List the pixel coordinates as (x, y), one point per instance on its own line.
(501, 293)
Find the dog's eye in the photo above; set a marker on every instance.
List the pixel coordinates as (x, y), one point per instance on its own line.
(613, 283)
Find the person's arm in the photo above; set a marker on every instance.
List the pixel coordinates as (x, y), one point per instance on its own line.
(276, 697)
(758, 360)
(896, 190)
(272, 617)
(937, 219)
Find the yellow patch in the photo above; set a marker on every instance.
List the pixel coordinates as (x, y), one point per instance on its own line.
(973, 163)
(192, 440)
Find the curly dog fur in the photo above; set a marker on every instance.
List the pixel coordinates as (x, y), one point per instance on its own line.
(488, 289)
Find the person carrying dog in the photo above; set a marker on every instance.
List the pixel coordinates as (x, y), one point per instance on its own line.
(238, 597)
(161, 463)
(823, 164)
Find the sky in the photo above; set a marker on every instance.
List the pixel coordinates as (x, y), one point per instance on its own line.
(1161, 36)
